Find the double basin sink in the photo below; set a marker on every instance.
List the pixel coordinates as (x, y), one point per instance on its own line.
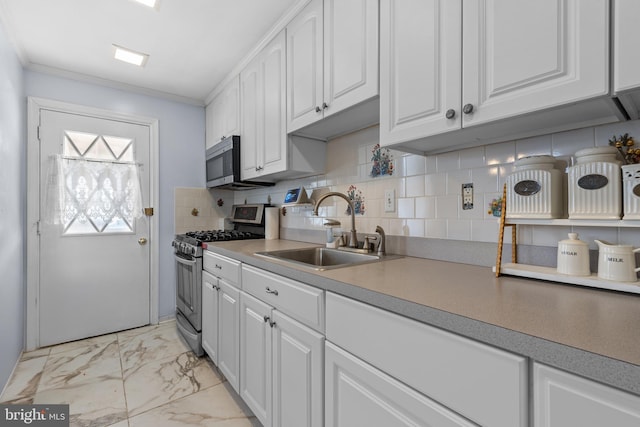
(319, 258)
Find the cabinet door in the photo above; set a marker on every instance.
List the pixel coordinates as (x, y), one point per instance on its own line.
(210, 315)
(298, 366)
(249, 99)
(562, 399)
(420, 68)
(213, 123)
(230, 120)
(357, 394)
(304, 67)
(521, 56)
(272, 119)
(350, 53)
(255, 357)
(229, 333)
(626, 55)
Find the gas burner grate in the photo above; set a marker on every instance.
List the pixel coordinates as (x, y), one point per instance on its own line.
(223, 235)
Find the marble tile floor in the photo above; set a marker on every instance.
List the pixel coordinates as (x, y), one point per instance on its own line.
(136, 378)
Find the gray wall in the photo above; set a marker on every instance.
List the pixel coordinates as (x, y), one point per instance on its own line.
(181, 150)
(12, 208)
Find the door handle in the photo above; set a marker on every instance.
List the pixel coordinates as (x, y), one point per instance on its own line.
(142, 241)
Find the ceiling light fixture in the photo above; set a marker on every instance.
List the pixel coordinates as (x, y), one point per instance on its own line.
(130, 56)
(150, 3)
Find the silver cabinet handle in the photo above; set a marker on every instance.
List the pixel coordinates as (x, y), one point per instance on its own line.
(467, 109)
(324, 106)
(258, 168)
(219, 267)
(318, 109)
(272, 291)
(272, 323)
(450, 114)
(266, 319)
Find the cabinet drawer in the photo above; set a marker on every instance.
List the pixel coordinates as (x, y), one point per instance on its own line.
(486, 385)
(302, 302)
(221, 266)
(356, 393)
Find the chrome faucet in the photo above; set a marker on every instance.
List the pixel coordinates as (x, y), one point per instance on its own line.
(353, 237)
(381, 245)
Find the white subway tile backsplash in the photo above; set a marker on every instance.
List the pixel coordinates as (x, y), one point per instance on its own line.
(448, 161)
(458, 229)
(406, 208)
(415, 227)
(415, 164)
(504, 152)
(414, 186)
(472, 158)
(447, 207)
(565, 144)
(426, 207)
(436, 228)
(427, 189)
(435, 184)
(536, 146)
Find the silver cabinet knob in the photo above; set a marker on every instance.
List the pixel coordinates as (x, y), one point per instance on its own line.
(450, 114)
(318, 109)
(467, 109)
(142, 241)
(324, 106)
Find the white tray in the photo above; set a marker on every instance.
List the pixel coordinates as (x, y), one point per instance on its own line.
(551, 274)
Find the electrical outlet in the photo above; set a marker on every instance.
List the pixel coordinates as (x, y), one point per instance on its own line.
(467, 196)
(390, 200)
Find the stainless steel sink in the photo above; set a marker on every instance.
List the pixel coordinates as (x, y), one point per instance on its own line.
(319, 258)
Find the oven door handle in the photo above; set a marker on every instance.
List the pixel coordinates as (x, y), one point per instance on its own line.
(185, 261)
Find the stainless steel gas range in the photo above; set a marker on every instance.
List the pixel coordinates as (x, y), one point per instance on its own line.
(248, 223)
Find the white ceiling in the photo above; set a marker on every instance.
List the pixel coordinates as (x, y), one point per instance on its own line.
(193, 44)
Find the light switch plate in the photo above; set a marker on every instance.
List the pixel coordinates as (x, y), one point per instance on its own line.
(467, 196)
(390, 200)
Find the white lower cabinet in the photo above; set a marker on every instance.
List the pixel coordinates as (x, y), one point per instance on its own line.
(562, 399)
(483, 384)
(281, 362)
(357, 394)
(221, 315)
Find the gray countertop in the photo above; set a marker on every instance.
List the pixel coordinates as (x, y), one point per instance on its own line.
(589, 332)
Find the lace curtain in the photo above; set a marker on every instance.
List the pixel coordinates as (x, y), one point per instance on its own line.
(92, 196)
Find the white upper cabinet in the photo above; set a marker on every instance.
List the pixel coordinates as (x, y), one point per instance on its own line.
(223, 113)
(421, 54)
(522, 56)
(263, 141)
(626, 55)
(332, 66)
(451, 65)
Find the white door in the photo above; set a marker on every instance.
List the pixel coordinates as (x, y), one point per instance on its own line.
(94, 267)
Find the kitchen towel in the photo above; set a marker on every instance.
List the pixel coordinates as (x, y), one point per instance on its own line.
(272, 223)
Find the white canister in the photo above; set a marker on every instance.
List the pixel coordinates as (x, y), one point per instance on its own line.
(617, 262)
(594, 188)
(573, 256)
(535, 189)
(631, 191)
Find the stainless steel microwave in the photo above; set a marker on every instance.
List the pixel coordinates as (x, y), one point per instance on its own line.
(223, 166)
